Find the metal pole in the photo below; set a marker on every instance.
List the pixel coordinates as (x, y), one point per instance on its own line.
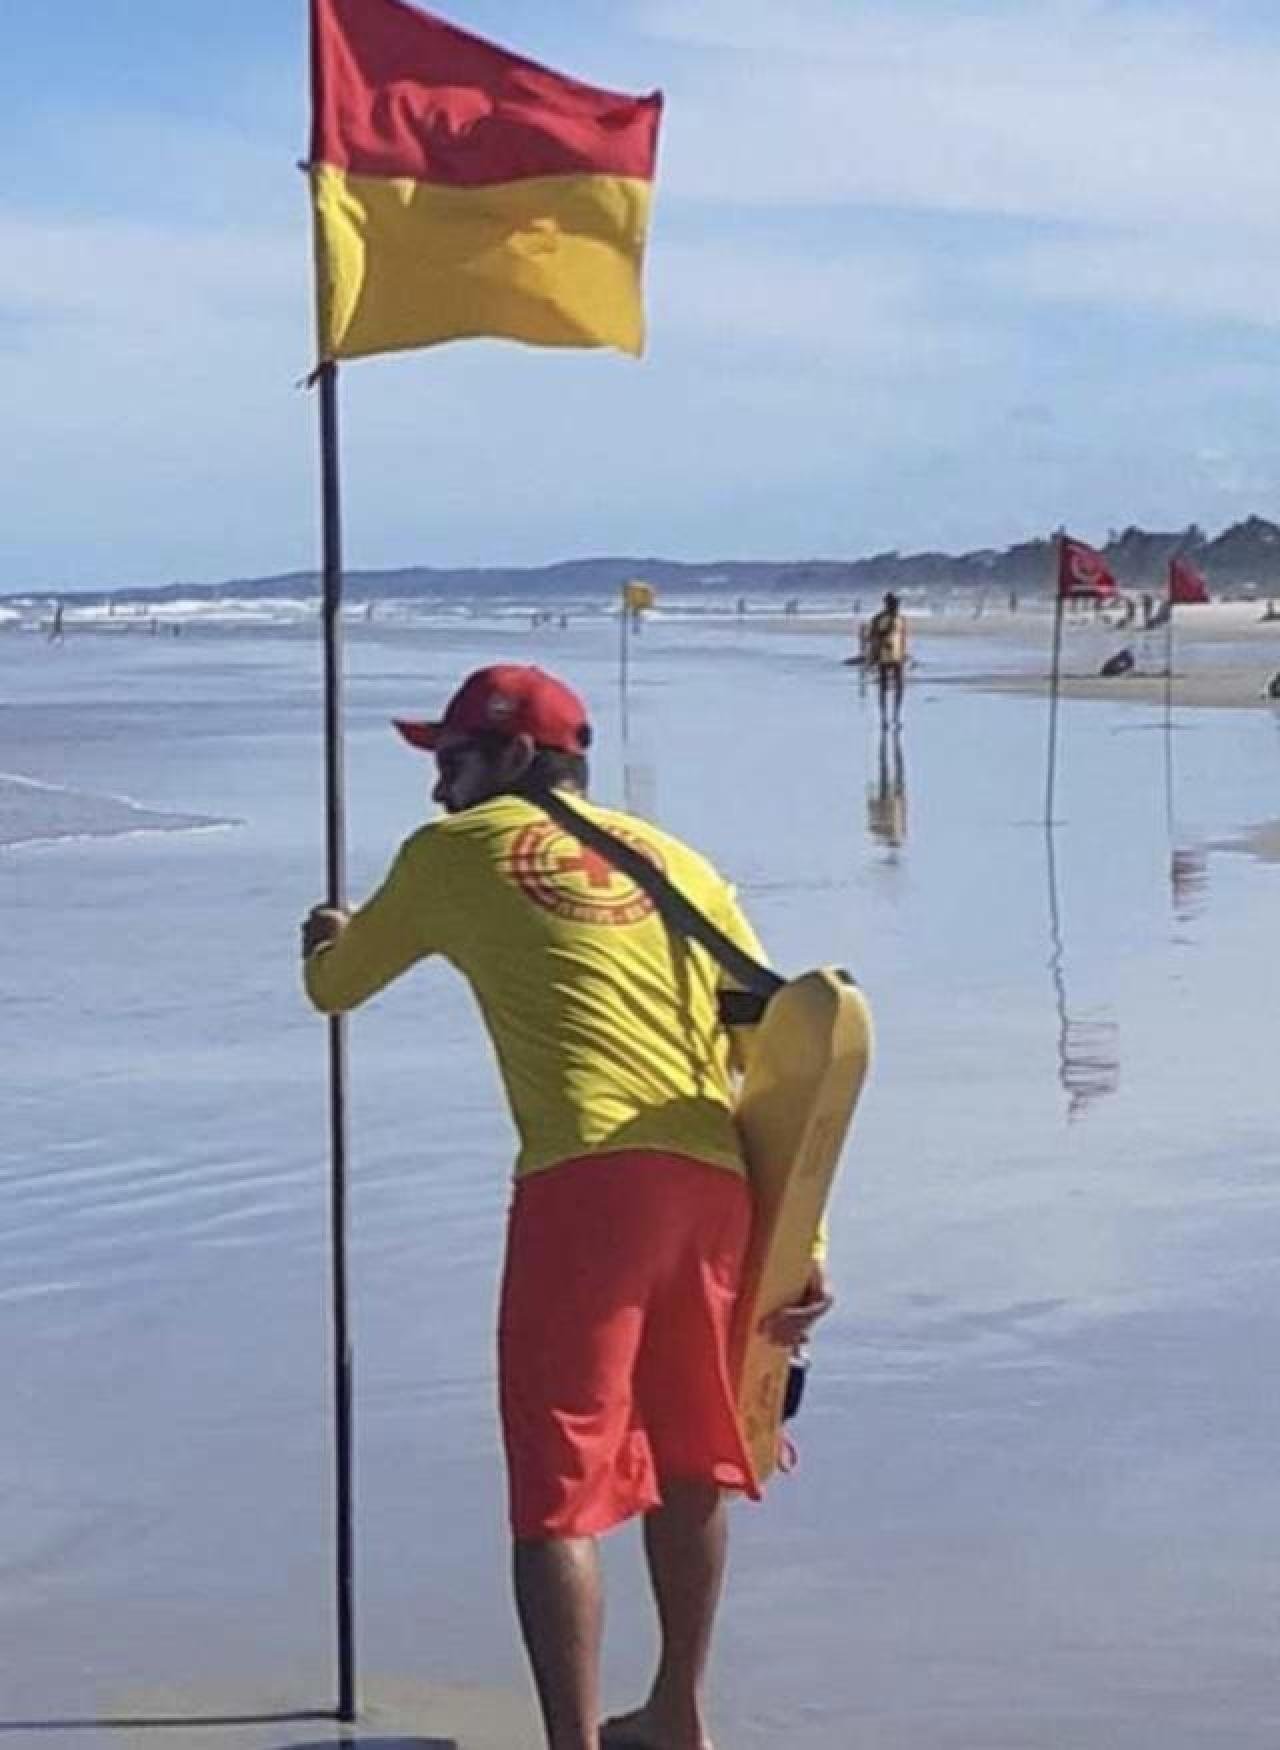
(335, 831)
(623, 635)
(1051, 776)
(1168, 716)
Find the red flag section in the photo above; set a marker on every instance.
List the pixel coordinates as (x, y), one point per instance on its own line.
(400, 93)
(1186, 585)
(1082, 571)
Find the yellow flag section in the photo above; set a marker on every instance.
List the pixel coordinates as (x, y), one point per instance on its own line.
(805, 1070)
(459, 190)
(637, 596)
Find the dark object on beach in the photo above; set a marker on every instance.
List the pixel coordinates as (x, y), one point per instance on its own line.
(1273, 686)
(797, 1377)
(1121, 663)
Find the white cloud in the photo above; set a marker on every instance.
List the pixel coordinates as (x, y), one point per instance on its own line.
(1066, 111)
(874, 313)
(148, 386)
(138, 273)
(1202, 272)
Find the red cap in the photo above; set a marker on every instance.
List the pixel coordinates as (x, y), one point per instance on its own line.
(511, 700)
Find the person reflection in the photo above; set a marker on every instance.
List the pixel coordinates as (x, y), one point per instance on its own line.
(1188, 881)
(887, 796)
(1088, 1051)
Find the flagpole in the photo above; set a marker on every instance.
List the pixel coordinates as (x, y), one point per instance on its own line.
(1168, 658)
(335, 840)
(624, 648)
(1051, 776)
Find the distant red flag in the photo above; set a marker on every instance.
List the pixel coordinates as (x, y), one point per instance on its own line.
(1082, 571)
(1186, 583)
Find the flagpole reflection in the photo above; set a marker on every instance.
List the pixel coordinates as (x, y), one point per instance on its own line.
(1088, 1056)
(1188, 864)
(639, 779)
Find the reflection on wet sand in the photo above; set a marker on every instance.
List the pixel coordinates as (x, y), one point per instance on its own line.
(887, 796)
(1088, 1051)
(1188, 880)
(639, 776)
(1188, 863)
(640, 789)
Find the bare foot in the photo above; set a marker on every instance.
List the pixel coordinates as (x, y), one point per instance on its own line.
(640, 1730)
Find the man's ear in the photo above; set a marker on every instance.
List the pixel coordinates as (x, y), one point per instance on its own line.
(518, 756)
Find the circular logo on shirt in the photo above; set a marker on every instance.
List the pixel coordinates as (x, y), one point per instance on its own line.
(568, 878)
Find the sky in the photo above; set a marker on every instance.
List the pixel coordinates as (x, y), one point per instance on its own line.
(922, 274)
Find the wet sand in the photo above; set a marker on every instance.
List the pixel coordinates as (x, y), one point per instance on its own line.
(394, 1714)
(1037, 1490)
(1219, 689)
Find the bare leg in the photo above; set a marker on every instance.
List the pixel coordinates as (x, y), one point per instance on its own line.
(882, 678)
(685, 1543)
(561, 1607)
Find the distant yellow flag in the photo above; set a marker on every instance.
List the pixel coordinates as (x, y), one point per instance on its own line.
(637, 596)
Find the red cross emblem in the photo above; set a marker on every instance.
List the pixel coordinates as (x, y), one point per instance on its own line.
(598, 872)
(562, 876)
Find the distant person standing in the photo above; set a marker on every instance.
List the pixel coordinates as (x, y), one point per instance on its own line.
(887, 654)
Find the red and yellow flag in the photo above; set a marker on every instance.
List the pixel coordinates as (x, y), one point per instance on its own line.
(460, 191)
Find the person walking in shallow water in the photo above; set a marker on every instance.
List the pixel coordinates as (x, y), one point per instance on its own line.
(630, 1215)
(887, 654)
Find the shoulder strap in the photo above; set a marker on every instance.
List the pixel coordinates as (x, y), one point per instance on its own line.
(759, 982)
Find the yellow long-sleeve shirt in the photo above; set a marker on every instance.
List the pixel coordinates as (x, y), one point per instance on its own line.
(605, 1024)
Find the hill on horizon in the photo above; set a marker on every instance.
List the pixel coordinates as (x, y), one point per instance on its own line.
(1245, 554)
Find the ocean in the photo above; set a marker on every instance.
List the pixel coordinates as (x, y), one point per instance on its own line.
(1037, 1498)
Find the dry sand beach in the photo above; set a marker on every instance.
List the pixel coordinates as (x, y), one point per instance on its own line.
(1225, 652)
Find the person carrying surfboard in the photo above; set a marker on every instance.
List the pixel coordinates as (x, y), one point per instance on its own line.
(887, 654)
(631, 1214)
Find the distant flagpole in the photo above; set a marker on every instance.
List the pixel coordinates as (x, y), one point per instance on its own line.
(633, 599)
(624, 638)
(335, 844)
(1054, 682)
(1168, 650)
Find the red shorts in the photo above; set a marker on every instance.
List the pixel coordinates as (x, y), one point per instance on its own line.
(613, 1338)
